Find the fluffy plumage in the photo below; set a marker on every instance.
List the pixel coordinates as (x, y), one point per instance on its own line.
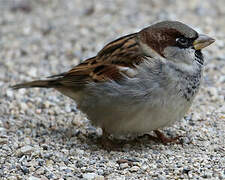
(139, 82)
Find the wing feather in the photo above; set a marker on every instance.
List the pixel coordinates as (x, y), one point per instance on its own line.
(123, 52)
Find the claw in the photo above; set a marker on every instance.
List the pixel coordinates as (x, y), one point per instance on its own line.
(166, 140)
(160, 137)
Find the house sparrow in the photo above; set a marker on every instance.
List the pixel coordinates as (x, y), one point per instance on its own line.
(138, 83)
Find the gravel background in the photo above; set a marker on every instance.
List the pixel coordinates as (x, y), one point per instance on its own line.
(44, 136)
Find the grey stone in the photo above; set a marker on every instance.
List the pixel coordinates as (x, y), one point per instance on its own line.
(89, 176)
(33, 178)
(25, 150)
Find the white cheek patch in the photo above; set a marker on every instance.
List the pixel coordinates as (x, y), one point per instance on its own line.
(183, 58)
(177, 54)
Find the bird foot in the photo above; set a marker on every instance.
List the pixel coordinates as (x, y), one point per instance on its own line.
(109, 144)
(160, 137)
(166, 140)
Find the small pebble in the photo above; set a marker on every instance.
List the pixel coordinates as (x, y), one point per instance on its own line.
(161, 177)
(24, 169)
(32, 72)
(3, 140)
(33, 178)
(9, 93)
(124, 165)
(25, 150)
(134, 169)
(40, 171)
(89, 176)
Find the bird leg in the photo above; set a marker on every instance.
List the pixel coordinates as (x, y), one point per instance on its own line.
(160, 137)
(108, 143)
(165, 140)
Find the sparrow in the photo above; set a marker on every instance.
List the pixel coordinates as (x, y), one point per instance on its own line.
(138, 83)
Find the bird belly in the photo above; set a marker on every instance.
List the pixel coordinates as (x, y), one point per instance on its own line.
(150, 117)
(122, 118)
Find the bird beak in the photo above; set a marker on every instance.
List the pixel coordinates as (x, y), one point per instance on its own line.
(202, 41)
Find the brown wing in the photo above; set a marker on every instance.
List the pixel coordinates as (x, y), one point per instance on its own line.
(123, 52)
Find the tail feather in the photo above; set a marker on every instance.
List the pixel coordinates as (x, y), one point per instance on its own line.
(38, 83)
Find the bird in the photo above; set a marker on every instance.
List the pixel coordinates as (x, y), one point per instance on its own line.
(138, 83)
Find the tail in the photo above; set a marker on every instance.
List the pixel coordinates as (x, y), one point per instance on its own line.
(39, 83)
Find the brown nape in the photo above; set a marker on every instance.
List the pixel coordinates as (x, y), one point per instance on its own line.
(159, 38)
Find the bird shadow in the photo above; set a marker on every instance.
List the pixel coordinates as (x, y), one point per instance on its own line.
(90, 139)
(87, 138)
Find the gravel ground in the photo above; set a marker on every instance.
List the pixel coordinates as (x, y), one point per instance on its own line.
(44, 136)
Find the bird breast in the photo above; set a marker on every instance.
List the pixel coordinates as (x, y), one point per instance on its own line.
(151, 100)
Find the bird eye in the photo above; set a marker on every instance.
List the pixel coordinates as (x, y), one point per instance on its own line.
(182, 41)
